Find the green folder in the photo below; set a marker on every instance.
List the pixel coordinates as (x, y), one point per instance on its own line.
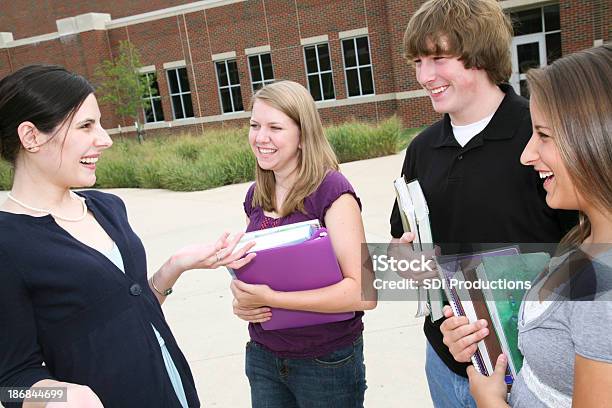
(504, 304)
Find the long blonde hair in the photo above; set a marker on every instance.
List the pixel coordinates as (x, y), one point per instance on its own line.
(315, 158)
(573, 93)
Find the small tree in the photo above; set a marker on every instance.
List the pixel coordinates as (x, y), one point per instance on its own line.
(122, 86)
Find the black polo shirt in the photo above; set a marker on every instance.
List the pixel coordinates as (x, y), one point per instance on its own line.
(480, 193)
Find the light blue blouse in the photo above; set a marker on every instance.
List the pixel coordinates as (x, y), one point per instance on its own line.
(115, 257)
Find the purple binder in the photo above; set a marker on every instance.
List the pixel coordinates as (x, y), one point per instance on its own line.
(311, 264)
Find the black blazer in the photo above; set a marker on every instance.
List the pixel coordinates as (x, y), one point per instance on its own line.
(67, 305)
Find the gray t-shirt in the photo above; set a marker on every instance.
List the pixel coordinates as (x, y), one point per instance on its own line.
(576, 320)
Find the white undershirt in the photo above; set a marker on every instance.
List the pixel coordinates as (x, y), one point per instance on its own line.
(463, 134)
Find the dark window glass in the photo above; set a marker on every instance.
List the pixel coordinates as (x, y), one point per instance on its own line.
(328, 86)
(149, 115)
(258, 86)
(350, 59)
(188, 106)
(226, 100)
(311, 59)
(527, 21)
(551, 18)
(233, 72)
(352, 81)
(528, 56)
(363, 51)
(222, 74)
(174, 88)
(324, 61)
(237, 99)
(367, 84)
(315, 87)
(553, 47)
(255, 68)
(178, 81)
(153, 113)
(152, 84)
(178, 108)
(157, 106)
(184, 80)
(266, 62)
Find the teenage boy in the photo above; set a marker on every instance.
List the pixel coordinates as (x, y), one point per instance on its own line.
(468, 162)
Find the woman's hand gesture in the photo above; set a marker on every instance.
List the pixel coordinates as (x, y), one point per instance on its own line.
(211, 256)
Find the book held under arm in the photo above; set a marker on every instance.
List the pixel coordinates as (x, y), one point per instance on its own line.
(414, 214)
(293, 261)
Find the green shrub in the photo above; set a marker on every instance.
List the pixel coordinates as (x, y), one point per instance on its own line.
(357, 141)
(149, 175)
(118, 166)
(188, 151)
(406, 136)
(6, 175)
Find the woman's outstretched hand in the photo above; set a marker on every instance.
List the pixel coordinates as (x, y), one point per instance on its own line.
(211, 256)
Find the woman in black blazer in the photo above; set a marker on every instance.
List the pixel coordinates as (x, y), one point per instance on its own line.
(77, 310)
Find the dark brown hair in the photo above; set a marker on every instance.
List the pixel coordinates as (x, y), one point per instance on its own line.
(46, 95)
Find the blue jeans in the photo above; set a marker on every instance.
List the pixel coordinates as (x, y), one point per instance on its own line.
(334, 380)
(447, 389)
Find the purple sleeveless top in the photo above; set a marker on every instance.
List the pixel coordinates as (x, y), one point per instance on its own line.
(311, 341)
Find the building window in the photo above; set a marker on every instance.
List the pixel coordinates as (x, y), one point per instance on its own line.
(261, 70)
(319, 72)
(229, 86)
(358, 66)
(154, 112)
(180, 93)
(537, 42)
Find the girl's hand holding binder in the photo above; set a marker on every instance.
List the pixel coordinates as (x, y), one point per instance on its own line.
(461, 336)
(247, 296)
(489, 392)
(252, 315)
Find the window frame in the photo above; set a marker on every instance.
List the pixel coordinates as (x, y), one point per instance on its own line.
(179, 94)
(152, 98)
(263, 82)
(229, 86)
(319, 72)
(357, 67)
(540, 37)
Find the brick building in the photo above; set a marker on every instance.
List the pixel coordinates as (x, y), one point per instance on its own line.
(205, 58)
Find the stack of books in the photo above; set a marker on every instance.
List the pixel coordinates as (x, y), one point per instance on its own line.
(414, 213)
(291, 258)
(491, 286)
(512, 271)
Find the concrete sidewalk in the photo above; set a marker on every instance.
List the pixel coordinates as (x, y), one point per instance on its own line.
(200, 314)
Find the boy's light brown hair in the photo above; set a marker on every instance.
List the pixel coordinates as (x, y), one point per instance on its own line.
(476, 31)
